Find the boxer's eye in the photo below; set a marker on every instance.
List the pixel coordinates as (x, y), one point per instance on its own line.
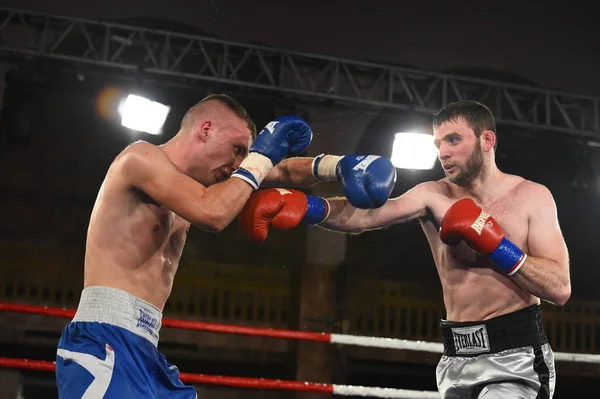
(240, 150)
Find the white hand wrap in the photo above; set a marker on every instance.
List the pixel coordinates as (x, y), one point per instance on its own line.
(323, 167)
(253, 169)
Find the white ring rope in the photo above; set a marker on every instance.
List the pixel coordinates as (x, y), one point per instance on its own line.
(435, 347)
(373, 392)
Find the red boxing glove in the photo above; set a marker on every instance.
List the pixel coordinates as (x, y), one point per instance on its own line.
(282, 209)
(468, 222)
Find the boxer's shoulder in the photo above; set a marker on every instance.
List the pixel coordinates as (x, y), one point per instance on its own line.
(141, 148)
(431, 191)
(442, 186)
(140, 160)
(532, 187)
(518, 193)
(135, 163)
(438, 186)
(428, 192)
(534, 195)
(432, 194)
(525, 189)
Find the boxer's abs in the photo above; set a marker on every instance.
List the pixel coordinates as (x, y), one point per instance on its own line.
(472, 286)
(478, 294)
(141, 260)
(150, 282)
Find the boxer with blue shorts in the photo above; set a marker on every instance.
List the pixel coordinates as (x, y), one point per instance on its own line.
(149, 199)
(110, 350)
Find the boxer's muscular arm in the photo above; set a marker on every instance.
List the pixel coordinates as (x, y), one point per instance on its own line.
(148, 169)
(291, 172)
(409, 206)
(545, 273)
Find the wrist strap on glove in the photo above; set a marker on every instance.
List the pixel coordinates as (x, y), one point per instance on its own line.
(324, 166)
(253, 169)
(317, 210)
(508, 257)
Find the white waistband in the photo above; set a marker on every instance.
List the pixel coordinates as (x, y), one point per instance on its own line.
(121, 309)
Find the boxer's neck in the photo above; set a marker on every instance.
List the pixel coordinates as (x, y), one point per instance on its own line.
(178, 152)
(484, 186)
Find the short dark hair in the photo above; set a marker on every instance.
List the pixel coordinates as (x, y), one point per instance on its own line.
(230, 103)
(478, 116)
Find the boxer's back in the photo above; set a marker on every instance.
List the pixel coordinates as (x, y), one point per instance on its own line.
(473, 289)
(133, 243)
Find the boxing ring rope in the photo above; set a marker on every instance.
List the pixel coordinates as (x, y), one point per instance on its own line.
(253, 383)
(260, 383)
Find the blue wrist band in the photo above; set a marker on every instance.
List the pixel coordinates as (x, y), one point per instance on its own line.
(317, 210)
(508, 257)
(246, 176)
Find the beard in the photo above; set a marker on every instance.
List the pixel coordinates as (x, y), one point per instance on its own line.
(466, 174)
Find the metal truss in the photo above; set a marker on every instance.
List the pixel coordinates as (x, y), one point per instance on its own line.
(163, 53)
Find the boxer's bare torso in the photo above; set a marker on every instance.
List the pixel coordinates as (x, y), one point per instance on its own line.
(133, 243)
(472, 286)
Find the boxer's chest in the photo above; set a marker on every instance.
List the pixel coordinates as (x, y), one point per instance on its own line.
(509, 211)
(177, 236)
(511, 214)
(169, 231)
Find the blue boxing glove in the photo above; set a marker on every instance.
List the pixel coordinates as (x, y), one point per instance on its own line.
(367, 180)
(286, 135)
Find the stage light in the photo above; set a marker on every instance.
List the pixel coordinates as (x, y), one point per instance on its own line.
(144, 115)
(413, 151)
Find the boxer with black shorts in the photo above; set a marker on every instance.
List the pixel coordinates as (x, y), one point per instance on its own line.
(497, 246)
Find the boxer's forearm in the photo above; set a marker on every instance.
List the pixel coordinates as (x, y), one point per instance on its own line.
(220, 204)
(546, 279)
(344, 217)
(292, 172)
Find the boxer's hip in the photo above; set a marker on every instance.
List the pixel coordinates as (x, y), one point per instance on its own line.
(507, 354)
(522, 328)
(114, 307)
(109, 350)
(113, 323)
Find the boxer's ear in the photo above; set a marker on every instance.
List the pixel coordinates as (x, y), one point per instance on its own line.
(204, 130)
(488, 139)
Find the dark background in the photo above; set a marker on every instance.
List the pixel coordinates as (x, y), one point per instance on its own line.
(48, 183)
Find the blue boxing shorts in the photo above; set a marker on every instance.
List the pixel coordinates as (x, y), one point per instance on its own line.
(109, 350)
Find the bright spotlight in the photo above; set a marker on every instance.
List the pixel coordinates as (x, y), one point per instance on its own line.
(141, 114)
(413, 151)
